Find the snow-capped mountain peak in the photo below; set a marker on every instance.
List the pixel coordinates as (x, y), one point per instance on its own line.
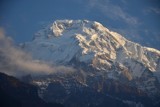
(91, 43)
(99, 55)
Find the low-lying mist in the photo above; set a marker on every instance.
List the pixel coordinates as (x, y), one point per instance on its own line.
(15, 61)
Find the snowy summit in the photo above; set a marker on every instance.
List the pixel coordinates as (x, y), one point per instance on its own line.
(91, 43)
(99, 55)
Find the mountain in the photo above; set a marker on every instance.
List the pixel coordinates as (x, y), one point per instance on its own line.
(14, 93)
(108, 66)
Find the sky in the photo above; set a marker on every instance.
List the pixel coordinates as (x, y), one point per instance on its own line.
(137, 20)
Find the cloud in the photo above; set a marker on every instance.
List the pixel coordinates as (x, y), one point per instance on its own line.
(124, 1)
(152, 10)
(14, 61)
(114, 12)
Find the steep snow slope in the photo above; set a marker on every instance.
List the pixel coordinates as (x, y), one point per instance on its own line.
(91, 43)
(107, 65)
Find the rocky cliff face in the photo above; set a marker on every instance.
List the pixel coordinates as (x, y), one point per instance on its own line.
(99, 55)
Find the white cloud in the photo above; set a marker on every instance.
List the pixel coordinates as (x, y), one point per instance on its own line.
(14, 61)
(152, 10)
(112, 11)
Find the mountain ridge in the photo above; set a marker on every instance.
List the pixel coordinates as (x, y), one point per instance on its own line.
(88, 40)
(15, 93)
(99, 55)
